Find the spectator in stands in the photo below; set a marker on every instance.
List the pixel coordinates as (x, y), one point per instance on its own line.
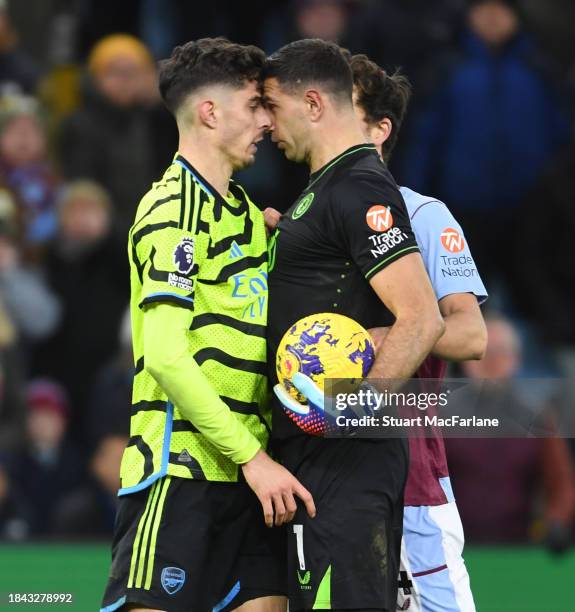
(486, 135)
(48, 466)
(123, 137)
(498, 481)
(29, 311)
(407, 35)
(25, 166)
(87, 268)
(326, 19)
(90, 510)
(18, 73)
(33, 308)
(110, 402)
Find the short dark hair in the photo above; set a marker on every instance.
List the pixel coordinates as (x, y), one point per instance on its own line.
(311, 61)
(207, 61)
(381, 96)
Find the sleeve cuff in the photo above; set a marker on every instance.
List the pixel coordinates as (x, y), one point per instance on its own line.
(385, 262)
(248, 453)
(170, 298)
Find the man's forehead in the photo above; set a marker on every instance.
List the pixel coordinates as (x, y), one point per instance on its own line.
(272, 87)
(246, 89)
(251, 88)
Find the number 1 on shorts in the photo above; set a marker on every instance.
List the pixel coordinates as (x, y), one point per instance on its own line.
(298, 530)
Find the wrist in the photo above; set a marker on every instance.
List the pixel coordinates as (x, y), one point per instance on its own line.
(255, 458)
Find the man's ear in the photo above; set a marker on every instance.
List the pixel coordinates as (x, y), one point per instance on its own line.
(380, 132)
(315, 104)
(206, 113)
(386, 127)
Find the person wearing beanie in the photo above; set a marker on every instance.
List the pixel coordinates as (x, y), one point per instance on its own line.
(122, 137)
(110, 48)
(48, 465)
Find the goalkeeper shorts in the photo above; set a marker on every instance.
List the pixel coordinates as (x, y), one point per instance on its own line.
(347, 557)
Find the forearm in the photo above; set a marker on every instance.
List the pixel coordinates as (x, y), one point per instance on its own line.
(168, 359)
(464, 338)
(406, 345)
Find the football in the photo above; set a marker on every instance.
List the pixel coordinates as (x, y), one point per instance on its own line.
(326, 345)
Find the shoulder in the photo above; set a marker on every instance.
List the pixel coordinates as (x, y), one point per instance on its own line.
(366, 180)
(430, 218)
(419, 205)
(163, 201)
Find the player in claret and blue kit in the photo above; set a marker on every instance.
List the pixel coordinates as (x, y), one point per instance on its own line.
(433, 575)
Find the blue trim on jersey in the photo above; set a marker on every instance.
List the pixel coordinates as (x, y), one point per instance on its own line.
(166, 294)
(228, 598)
(165, 456)
(445, 483)
(195, 178)
(424, 547)
(167, 437)
(115, 605)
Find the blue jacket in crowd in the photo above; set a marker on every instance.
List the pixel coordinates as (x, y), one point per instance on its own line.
(488, 132)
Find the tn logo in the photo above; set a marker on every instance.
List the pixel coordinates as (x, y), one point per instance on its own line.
(379, 218)
(452, 240)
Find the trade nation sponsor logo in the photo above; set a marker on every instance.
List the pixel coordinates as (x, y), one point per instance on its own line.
(458, 263)
(452, 240)
(382, 243)
(379, 218)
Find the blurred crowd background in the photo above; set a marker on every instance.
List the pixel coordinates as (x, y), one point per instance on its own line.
(83, 135)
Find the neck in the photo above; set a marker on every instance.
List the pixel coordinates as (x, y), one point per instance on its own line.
(208, 160)
(335, 138)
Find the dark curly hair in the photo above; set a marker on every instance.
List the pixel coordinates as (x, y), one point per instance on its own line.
(207, 61)
(311, 61)
(381, 96)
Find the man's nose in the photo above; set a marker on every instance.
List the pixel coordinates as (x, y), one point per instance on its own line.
(266, 122)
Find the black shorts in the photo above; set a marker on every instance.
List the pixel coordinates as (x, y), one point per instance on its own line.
(347, 557)
(183, 545)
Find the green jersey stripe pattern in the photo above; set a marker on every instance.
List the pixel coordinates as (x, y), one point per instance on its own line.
(191, 247)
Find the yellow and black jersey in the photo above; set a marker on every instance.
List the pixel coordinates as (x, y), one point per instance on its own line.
(192, 247)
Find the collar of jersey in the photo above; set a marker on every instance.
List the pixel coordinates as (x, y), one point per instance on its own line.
(317, 175)
(201, 181)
